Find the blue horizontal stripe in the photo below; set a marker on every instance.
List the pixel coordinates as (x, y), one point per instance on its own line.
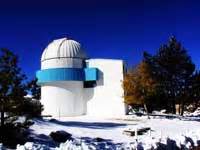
(67, 74)
(91, 74)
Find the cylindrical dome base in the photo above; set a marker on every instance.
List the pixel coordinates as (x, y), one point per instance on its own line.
(63, 99)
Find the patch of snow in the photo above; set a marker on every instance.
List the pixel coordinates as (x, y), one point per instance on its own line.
(182, 142)
(196, 113)
(1, 146)
(183, 133)
(28, 96)
(20, 119)
(33, 146)
(161, 112)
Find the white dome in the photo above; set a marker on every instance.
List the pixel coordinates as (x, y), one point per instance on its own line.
(63, 48)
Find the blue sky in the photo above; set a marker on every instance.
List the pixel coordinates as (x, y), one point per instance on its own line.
(120, 29)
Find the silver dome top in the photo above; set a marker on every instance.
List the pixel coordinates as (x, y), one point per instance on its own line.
(63, 48)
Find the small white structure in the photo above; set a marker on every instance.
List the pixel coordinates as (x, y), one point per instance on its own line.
(72, 85)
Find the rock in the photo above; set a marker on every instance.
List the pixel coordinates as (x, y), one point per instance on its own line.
(60, 136)
(99, 139)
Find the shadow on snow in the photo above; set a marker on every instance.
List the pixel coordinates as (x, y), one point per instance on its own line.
(91, 125)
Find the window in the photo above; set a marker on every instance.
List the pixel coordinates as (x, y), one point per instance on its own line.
(89, 84)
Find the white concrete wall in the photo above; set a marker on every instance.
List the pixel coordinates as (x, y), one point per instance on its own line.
(64, 98)
(69, 98)
(61, 99)
(106, 99)
(62, 63)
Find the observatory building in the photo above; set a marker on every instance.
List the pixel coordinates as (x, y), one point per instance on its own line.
(73, 85)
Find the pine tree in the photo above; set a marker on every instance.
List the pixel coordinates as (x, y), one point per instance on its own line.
(12, 87)
(194, 90)
(173, 69)
(164, 79)
(35, 89)
(32, 106)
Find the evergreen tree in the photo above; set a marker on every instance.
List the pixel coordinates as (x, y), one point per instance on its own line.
(32, 106)
(164, 79)
(35, 89)
(12, 88)
(194, 90)
(173, 68)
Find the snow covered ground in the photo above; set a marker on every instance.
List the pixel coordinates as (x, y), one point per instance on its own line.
(181, 132)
